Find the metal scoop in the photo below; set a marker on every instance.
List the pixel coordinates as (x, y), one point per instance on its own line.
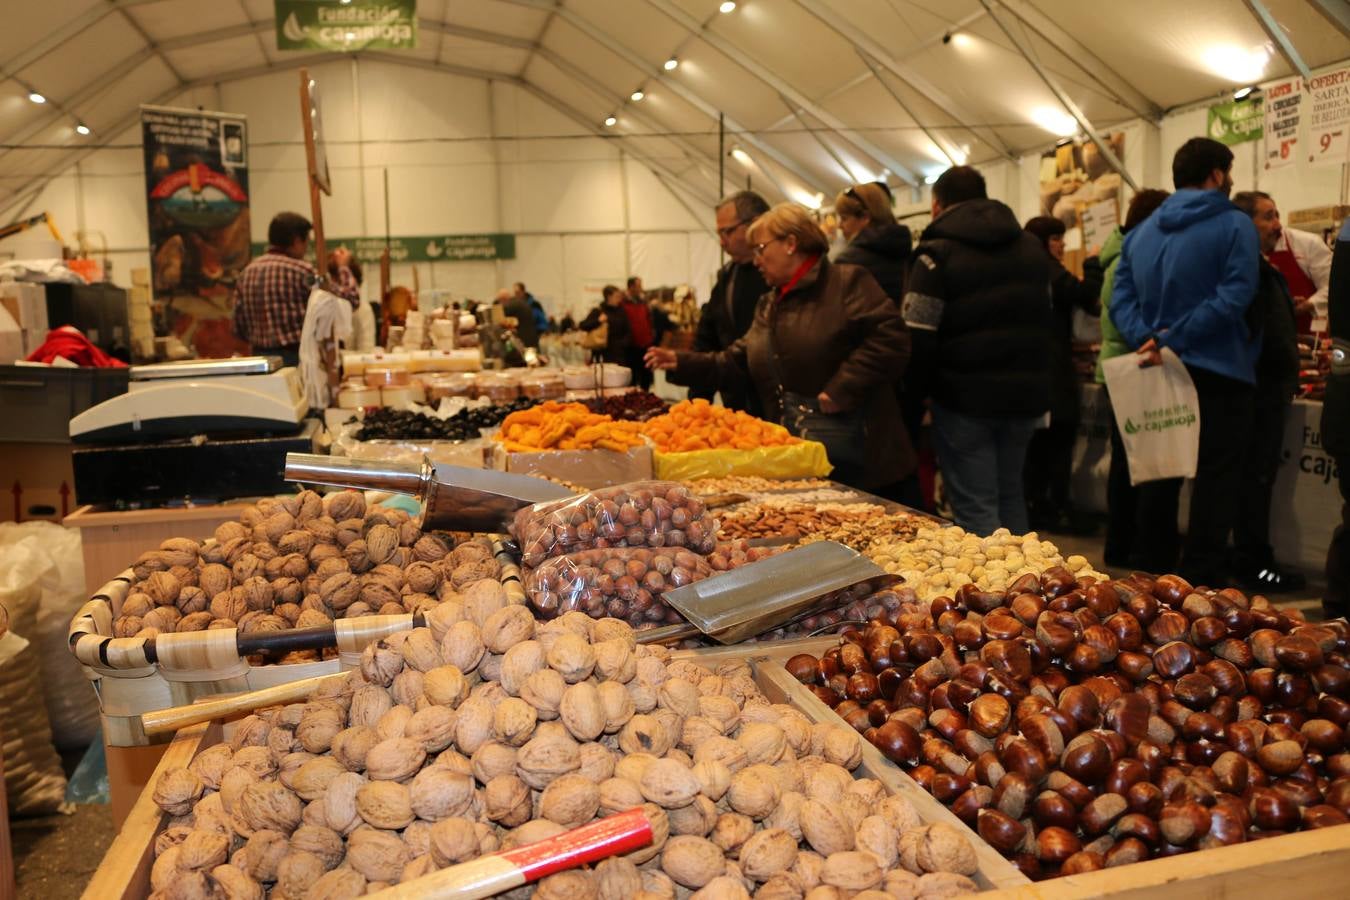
(454, 498)
(768, 594)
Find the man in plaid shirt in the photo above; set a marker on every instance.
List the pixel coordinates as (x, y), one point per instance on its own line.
(273, 290)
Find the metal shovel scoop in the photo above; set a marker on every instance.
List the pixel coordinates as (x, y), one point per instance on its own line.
(454, 498)
(767, 594)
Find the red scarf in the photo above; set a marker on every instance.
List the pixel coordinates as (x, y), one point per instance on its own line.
(1300, 285)
(797, 275)
(639, 323)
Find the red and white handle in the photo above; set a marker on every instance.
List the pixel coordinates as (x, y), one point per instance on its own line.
(489, 875)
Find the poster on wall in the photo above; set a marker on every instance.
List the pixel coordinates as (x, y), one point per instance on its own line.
(338, 25)
(1235, 122)
(428, 248)
(196, 182)
(1282, 114)
(1329, 117)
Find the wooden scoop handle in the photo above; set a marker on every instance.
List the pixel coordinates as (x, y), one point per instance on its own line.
(175, 717)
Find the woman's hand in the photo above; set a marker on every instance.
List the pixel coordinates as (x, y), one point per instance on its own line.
(827, 405)
(660, 358)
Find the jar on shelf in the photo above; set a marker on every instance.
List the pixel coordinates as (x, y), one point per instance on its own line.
(543, 386)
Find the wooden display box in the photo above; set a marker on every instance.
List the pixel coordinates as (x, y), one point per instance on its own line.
(591, 469)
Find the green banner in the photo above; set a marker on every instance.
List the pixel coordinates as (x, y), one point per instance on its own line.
(1236, 121)
(433, 248)
(351, 25)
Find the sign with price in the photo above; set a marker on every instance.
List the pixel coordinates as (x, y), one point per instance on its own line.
(1283, 113)
(1329, 117)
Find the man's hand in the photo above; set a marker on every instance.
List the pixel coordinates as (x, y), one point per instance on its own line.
(1304, 307)
(660, 358)
(1149, 354)
(342, 257)
(827, 405)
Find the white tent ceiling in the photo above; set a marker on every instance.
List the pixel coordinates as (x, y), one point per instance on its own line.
(816, 92)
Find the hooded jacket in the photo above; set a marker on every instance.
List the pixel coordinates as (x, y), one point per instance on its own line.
(1336, 408)
(884, 251)
(1186, 277)
(1112, 343)
(978, 309)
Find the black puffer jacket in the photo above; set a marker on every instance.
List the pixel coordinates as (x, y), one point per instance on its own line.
(1336, 408)
(978, 308)
(884, 251)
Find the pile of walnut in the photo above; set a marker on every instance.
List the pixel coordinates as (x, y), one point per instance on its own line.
(300, 562)
(474, 735)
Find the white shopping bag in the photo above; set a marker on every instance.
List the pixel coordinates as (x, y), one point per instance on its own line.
(1158, 414)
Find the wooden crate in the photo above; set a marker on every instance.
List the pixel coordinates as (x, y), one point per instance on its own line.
(1307, 865)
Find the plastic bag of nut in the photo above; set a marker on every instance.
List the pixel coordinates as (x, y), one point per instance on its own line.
(640, 514)
(840, 609)
(624, 583)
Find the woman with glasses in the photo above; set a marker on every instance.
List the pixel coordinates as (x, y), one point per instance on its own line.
(822, 354)
(875, 240)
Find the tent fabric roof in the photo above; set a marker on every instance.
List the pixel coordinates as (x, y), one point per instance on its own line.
(816, 92)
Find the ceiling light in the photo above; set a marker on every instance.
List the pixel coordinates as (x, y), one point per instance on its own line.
(932, 179)
(636, 96)
(1243, 93)
(81, 128)
(36, 97)
(1055, 121)
(1236, 64)
(670, 64)
(726, 7)
(351, 35)
(961, 40)
(610, 121)
(742, 157)
(806, 198)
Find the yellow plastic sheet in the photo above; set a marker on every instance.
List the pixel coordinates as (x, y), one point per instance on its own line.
(801, 460)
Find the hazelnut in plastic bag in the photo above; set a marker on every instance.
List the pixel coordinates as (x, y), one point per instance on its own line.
(641, 514)
(625, 583)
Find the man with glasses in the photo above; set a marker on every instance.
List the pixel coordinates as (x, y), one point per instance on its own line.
(730, 309)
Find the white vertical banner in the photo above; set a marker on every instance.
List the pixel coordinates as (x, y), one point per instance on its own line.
(1329, 117)
(1283, 114)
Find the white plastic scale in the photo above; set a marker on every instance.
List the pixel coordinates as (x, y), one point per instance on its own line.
(251, 393)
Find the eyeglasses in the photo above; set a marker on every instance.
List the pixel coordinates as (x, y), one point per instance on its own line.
(759, 248)
(731, 229)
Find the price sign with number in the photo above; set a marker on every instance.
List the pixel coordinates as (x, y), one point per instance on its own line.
(1329, 117)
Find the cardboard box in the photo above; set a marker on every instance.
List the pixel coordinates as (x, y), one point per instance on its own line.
(27, 303)
(140, 277)
(39, 482)
(588, 468)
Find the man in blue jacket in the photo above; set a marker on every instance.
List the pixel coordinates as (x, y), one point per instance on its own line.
(1186, 280)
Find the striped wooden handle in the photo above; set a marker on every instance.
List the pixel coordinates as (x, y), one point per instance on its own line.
(175, 717)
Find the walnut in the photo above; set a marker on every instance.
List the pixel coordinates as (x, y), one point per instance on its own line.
(571, 801)
(938, 885)
(724, 750)
(788, 814)
(519, 663)
(723, 887)
(245, 567)
(876, 836)
(679, 696)
(698, 818)
(395, 759)
(473, 724)
(381, 543)
(318, 728)
(578, 884)
(692, 861)
(582, 712)
(369, 704)
(345, 504)
(232, 884)
(465, 575)
(325, 843)
(492, 759)
(828, 783)
(825, 828)
(453, 841)
(669, 784)
(617, 879)
(381, 661)
(339, 802)
(162, 618)
(851, 870)
(267, 804)
(943, 848)
(543, 690)
(378, 855)
(842, 746)
(437, 793)
(507, 627)
(385, 804)
(210, 765)
(162, 588)
(731, 830)
(482, 599)
(767, 854)
(854, 808)
(513, 722)
(546, 756)
(191, 600)
(596, 762)
(433, 727)
(430, 548)
(445, 686)
(900, 884)
(763, 742)
(506, 801)
(619, 794)
(203, 850)
(462, 645)
(645, 734)
(313, 777)
(177, 790)
(615, 660)
(753, 792)
(573, 657)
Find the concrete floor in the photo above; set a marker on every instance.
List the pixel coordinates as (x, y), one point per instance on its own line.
(55, 856)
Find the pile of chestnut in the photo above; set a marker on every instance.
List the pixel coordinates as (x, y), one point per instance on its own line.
(1079, 724)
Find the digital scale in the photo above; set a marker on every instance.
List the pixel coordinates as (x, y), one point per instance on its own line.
(246, 394)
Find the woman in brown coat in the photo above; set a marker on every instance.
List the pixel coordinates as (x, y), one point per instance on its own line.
(825, 348)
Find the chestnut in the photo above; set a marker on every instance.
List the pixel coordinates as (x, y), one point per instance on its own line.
(825, 695)
(1293, 690)
(1183, 823)
(1053, 808)
(1232, 772)
(1135, 666)
(990, 715)
(923, 776)
(1168, 626)
(1102, 812)
(1073, 790)
(888, 682)
(972, 744)
(974, 801)
(1207, 631)
(1280, 757)
(1083, 861)
(1124, 774)
(947, 722)
(1126, 852)
(1138, 826)
(1272, 810)
(863, 687)
(1296, 651)
(1227, 826)
(1058, 639)
(878, 711)
(853, 659)
(1128, 717)
(1145, 798)
(1012, 795)
(1042, 731)
(1026, 759)
(1174, 659)
(999, 830)
(1332, 680)
(805, 668)
(1087, 758)
(1054, 845)
(1195, 690)
(1238, 652)
(947, 787)
(1008, 657)
(897, 741)
(1027, 608)
(1323, 816)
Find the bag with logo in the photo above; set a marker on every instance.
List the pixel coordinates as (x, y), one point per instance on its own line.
(1158, 413)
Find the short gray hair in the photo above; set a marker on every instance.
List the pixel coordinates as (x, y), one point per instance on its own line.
(1246, 200)
(749, 205)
